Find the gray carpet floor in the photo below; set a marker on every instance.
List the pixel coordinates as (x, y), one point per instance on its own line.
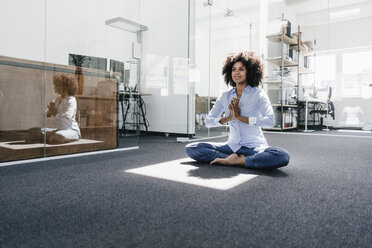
(321, 199)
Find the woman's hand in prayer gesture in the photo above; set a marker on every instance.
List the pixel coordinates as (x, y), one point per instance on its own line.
(52, 109)
(235, 107)
(231, 109)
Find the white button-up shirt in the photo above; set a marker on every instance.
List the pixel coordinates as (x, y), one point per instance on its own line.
(253, 104)
(66, 116)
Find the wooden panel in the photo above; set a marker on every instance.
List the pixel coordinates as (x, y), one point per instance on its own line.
(26, 87)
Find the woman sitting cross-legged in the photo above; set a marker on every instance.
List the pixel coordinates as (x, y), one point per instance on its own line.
(247, 108)
(64, 108)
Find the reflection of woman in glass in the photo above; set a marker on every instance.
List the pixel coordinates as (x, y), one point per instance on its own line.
(247, 108)
(64, 108)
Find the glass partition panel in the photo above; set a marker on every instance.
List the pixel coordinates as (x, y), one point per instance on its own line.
(340, 52)
(87, 51)
(22, 78)
(199, 65)
(221, 27)
(64, 82)
(165, 63)
(124, 33)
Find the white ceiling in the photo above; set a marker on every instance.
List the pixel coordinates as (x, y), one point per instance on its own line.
(302, 12)
(295, 6)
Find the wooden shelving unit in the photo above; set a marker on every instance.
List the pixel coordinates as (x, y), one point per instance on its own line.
(279, 83)
(282, 37)
(302, 49)
(279, 61)
(285, 112)
(285, 103)
(304, 70)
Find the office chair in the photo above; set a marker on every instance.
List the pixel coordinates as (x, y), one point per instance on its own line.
(330, 110)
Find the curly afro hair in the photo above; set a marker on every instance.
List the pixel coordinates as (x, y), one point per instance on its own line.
(252, 63)
(67, 82)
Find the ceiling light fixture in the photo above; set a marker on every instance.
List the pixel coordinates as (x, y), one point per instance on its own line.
(125, 24)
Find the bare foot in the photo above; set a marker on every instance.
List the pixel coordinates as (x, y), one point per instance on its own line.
(232, 159)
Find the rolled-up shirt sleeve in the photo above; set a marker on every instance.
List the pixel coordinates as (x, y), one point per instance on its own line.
(214, 116)
(266, 116)
(252, 120)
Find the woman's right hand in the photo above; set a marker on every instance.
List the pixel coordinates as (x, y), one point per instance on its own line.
(231, 109)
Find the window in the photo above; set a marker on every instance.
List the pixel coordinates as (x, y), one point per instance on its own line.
(87, 61)
(356, 63)
(357, 74)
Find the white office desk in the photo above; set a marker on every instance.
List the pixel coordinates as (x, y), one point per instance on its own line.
(306, 102)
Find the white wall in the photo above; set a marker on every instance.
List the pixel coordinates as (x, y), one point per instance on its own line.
(224, 35)
(37, 31)
(22, 30)
(83, 30)
(341, 35)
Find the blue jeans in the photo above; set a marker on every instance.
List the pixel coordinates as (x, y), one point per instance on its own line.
(271, 157)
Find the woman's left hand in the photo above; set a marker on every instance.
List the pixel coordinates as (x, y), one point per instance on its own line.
(52, 109)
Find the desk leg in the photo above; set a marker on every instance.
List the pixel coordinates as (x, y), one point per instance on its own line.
(143, 113)
(125, 114)
(122, 130)
(306, 114)
(138, 111)
(199, 119)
